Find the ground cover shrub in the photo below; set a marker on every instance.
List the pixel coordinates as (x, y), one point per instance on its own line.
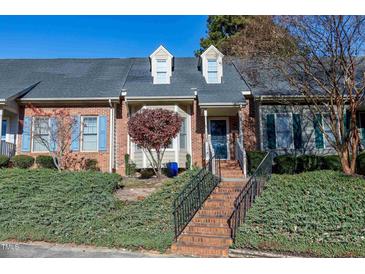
(4, 161)
(22, 161)
(254, 158)
(80, 208)
(319, 213)
(45, 161)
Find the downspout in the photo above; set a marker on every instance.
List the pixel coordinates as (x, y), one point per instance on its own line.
(111, 137)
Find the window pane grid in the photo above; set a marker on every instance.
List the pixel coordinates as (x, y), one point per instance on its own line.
(40, 132)
(89, 132)
(284, 138)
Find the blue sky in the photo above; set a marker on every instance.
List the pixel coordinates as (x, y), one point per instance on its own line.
(98, 36)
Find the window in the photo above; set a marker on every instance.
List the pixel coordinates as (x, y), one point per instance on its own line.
(284, 134)
(161, 71)
(90, 133)
(362, 126)
(329, 134)
(183, 134)
(41, 134)
(212, 71)
(4, 129)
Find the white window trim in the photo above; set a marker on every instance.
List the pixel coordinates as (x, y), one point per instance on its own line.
(32, 135)
(361, 125)
(186, 135)
(325, 141)
(82, 133)
(216, 71)
(290, 114)
(7, 133)
(228, 139)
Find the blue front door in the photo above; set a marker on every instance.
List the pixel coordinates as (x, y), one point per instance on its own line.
(218, 135)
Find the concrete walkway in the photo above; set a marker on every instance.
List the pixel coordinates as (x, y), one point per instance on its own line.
(48, 250)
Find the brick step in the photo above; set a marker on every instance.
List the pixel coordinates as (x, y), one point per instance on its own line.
(236, 184)
(232, 175)
(199, 250)
(225, 196)
(227, 190)
(209, 220)
(209, 240)
(212, 203)
(208, 230)
(216, 212)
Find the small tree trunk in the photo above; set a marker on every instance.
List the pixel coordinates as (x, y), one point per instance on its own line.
(344, 157)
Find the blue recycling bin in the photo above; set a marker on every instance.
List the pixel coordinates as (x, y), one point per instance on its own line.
(172, 169)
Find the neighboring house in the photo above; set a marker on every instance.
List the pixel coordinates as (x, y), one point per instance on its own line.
(221, 102)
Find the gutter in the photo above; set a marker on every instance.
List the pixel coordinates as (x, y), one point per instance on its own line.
(114, 99)
(159, 98)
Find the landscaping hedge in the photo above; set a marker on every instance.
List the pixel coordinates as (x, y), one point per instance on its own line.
(308, 163)
(331, 162)
(4, 161)
(22, 161)
(45, 161)
(361, 163)
(254, 158)
(92, 165)
(285, 164)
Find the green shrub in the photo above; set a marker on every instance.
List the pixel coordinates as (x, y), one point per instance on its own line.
(45, 161)
(319, 213)
(361, 164)
(22, 161)
(285, 164)
(4, 161)
(146, 173)
(91, 164)
(254, 158)
(130, 166)
(188, 161)
(308, 163)
(331, 162)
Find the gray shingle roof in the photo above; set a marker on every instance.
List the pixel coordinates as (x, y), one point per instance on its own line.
(185, 79)
(63, 78)
(263, 78)
(96, 78)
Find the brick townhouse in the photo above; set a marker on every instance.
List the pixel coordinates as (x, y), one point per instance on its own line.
(224, 105)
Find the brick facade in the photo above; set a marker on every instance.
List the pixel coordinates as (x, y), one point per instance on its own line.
(121, 132)
(121, 136)
(102, 157)
(249, 125)
(197, 135)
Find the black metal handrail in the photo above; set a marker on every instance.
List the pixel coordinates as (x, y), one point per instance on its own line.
(249, 192)
(193, 195)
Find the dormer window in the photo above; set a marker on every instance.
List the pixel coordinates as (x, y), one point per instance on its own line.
(212, 71)
(212, 65)
(161, 66)
(161, 70)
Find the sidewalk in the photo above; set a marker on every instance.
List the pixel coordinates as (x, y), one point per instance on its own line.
(49, 250)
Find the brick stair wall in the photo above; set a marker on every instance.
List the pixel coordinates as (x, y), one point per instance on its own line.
(208, 234)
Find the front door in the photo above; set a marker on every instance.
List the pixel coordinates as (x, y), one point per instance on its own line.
(218, 135)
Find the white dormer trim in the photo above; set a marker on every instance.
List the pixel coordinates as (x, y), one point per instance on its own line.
(212, 53)
(161, 53)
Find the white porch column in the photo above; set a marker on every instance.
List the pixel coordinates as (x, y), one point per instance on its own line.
(240, 127)
(206, 134)
(1, 128)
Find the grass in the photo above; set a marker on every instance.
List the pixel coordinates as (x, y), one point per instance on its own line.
(319, 213)
(79, 207)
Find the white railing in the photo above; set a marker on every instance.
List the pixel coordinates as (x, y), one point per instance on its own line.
(7, 149)
(241, 156)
